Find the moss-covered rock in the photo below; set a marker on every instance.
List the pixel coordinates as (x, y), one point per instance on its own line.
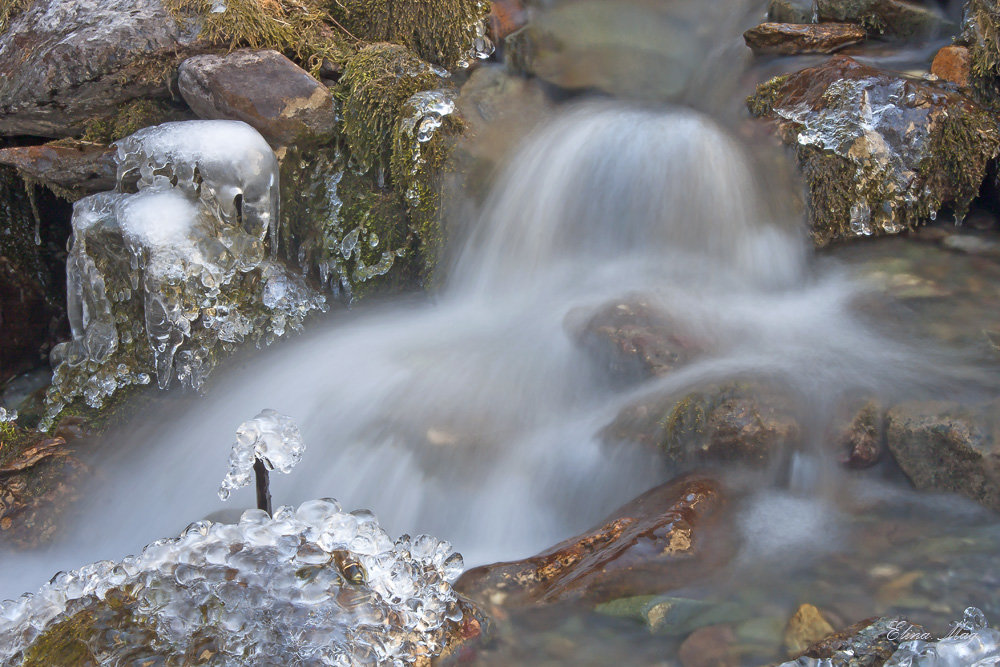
(981, 34)
(880, 153)
(9, 9)
(742, 422)
(894, 19)
(443, 32)
(425, 135)
(130, 118)
(343, 228)
(375, 85)
(301, 29)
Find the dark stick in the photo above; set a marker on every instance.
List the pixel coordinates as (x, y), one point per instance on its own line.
(263, 490)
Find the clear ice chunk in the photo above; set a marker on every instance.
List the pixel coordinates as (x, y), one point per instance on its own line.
(271, 437)
(263, 591)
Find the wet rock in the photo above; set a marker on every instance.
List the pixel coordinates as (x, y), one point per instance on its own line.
(506, 17)
(980, 24)
(791, 11)
(740, 422)
(945, 446)
(70, 168)
(627, 48)
(806, 627)
(264, 89)
(862, 440)
(710, 647)
(896, 19)
(632, 339)
(868, 643)
(65, 62)
(879, 153)
(953, 63)
(662, 539)
(791, 39)
(674, 616)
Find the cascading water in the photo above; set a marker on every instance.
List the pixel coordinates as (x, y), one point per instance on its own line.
(476, 418)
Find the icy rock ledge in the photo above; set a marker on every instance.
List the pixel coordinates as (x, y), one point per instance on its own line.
(313, 585)
(170, 272)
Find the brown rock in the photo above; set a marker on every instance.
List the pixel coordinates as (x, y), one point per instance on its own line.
(952, 63)
(805, 628)
(709, 647)
(263, 89)
(657, 541)
(74, 168)
(795, 39)
(946, 446)
(861, 441)
(633, 339)
(506, 17)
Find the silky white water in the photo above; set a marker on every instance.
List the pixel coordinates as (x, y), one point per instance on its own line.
(475, 416)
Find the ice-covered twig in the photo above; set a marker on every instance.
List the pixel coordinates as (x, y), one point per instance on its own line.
(269, 441)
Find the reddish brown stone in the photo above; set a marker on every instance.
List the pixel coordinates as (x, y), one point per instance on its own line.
(506, 17)
(657, 541)
(952, 63)
(794, 39)
(77, 168)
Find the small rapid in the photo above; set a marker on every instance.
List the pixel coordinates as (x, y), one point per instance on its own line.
(476, 417)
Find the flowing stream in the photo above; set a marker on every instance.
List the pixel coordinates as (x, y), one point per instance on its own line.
(476, 415)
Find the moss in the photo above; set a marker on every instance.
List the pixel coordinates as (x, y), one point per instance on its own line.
(375, 85)
(418, 170)
(964, 140)
(761, 103)
(301, 29)
(18, 220)
(439, 31)
(129, 118)
(9, 10)
(685, 420)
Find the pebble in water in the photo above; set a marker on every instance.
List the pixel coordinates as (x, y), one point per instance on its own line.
(313, 585)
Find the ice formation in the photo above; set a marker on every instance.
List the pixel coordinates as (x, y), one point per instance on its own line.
(423, 114)
(313, 585)
(271, 437)
(7, 416)
(164, 280)
(480, 46)
(972, 643)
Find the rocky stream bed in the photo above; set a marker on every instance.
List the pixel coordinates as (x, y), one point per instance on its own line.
(783, 343)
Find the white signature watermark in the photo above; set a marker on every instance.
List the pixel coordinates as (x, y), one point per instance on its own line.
(904, 631)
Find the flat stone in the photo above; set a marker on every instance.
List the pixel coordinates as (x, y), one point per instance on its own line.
(796, 39)
(953, 63)
(264, 89)
(64, 62)
(658, 541)
(74, 168)
(946, 446)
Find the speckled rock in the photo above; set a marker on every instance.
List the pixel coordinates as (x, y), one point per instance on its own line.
(658, 541)
(945, 446)
(64, 62)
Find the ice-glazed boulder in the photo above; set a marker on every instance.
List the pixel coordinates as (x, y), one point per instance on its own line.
(170, 272)
(314, 585)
